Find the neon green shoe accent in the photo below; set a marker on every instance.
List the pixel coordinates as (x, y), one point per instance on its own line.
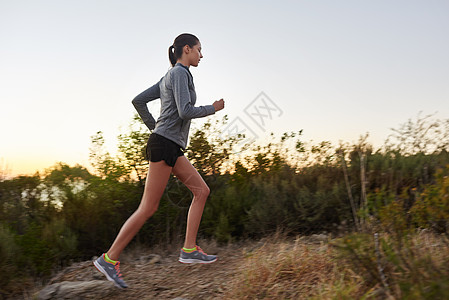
(189, 250)
(106, 258)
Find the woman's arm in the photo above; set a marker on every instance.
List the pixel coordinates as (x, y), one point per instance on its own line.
(140, 103)
(181, 92)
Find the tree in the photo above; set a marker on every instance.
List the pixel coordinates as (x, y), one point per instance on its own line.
(132, 146)
(423, 135)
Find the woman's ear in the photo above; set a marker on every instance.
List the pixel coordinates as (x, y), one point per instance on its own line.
(186, 49)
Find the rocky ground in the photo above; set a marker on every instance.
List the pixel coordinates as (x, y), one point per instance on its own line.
(152, 276)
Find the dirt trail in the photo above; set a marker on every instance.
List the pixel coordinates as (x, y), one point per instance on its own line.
(155, 276)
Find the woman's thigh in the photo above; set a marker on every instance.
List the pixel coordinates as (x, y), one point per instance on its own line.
(157, 178)
(189, 176)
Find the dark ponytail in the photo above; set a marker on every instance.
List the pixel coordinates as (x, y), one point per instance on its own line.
(175, 50)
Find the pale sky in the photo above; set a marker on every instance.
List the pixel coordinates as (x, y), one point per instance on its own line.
(336, 69)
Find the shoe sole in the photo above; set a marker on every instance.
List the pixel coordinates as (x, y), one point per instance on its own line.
(103, 271)
(195, 261)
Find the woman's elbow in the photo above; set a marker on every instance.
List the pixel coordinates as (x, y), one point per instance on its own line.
(184, 115)
(135, 101)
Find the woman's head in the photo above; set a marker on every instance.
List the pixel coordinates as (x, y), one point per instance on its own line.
(187, 49)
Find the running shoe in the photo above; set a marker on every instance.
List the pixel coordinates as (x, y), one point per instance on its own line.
(111, 271)
(196, 257)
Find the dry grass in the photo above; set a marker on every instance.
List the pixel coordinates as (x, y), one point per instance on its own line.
(284, 270)
(301, 269)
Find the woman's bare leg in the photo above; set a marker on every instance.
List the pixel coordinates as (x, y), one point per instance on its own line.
(158, 175)
(189, 176)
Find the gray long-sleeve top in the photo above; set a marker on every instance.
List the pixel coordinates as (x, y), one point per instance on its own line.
(178, 97)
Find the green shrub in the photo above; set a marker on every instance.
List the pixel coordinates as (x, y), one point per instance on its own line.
(8, 255)
(414, 267)
(431, 209)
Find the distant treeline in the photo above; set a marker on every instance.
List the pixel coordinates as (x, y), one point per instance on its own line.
(68, 213)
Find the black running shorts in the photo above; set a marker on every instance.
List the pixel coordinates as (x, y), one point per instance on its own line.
(160, 148)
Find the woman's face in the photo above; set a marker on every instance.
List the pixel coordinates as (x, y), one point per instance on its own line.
(195, 55)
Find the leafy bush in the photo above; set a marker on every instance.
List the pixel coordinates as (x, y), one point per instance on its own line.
(431, 209)
(414, 267)
(8, 256)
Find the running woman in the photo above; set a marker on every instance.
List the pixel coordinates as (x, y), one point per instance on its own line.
(169, 135)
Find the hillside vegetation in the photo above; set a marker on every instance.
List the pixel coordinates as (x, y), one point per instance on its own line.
(386, 209)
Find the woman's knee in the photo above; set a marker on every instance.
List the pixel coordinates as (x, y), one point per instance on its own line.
(147, 212)
(202, 192)
(148, 208)
(206, 190)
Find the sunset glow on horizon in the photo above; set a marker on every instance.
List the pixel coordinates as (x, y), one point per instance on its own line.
(336, 70)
